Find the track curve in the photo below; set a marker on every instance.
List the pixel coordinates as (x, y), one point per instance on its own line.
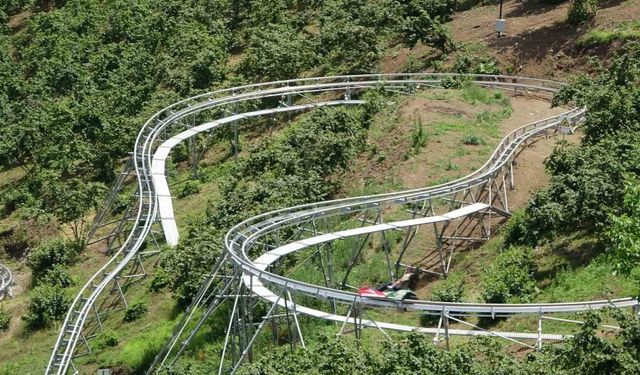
(6, 282)
(154, 199)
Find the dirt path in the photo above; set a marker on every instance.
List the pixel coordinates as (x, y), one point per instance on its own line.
(529, 175)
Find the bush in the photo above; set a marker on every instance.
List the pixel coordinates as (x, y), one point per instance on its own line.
(47, 304)
(277, 52)
(135, 311)
(510, 275)
(419, 136)
(51, 254)
(623, 236)
(190, 187)
(472, 140)
(5, 320)
(475, 64)
(450, 289)
(57, 276)
(106, 339)
(424, 22)
(581, 11)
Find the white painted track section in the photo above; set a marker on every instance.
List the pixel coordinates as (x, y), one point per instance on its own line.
(165, 204)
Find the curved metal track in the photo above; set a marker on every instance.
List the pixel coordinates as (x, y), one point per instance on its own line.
(6, 282)
(243, 240)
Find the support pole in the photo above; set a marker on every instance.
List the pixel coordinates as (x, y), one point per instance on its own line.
(295, 319)
(539, 341)
(445, 318)
(236, 142)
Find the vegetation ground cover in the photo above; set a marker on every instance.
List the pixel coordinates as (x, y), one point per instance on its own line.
(85, 75)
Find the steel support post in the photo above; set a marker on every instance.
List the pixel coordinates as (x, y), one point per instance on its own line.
(289, 331)
(295, 319)
(539, 340)
(512, 184)
(119, 288)
(360, 243)
(236, 141)
(445, 321)
(255, 335)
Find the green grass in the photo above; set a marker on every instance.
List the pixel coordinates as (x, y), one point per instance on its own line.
(597, 280)
(624, 31)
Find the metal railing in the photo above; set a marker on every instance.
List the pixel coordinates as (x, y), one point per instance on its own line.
(237, 242)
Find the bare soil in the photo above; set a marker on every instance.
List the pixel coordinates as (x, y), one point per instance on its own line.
(538, 41)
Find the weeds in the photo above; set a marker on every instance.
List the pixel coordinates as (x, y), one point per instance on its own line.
(419, 136)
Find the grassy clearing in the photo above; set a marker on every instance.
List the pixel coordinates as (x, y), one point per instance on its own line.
(625, 31)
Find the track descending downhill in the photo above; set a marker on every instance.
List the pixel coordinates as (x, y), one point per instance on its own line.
(459, 211)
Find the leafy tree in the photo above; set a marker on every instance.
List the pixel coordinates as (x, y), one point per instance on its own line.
(624, 233)
(51, 254)
(611, 97)
(277, 52)
(348, 48)
(423, 22)
(47, 304)
(510, 276)
(185, 266)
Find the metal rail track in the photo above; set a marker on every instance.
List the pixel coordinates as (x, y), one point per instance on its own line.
(6, 282)
(241, 239)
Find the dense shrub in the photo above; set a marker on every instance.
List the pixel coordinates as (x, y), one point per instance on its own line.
(277, 52)
(106, 339)
(510, 275)
(623, 236)
(57, 276)
(349, 48)
(47, 304)
(423, 21)
(585, 190)
(50, 254)
(611, 97)
(184, 267)
(135, 311)
(190, 187)
(581, 11)
(5, 320)
(450, 289)
(469, 63)
(585, 353)
(472, 140)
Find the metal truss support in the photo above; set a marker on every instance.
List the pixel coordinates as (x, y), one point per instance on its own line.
(107, 207)
(221, 285)
(411, 232)
(354, 314)
(357, 250)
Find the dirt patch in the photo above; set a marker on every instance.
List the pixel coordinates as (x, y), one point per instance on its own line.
(529, 173)
(538, 41)
(19, 20)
